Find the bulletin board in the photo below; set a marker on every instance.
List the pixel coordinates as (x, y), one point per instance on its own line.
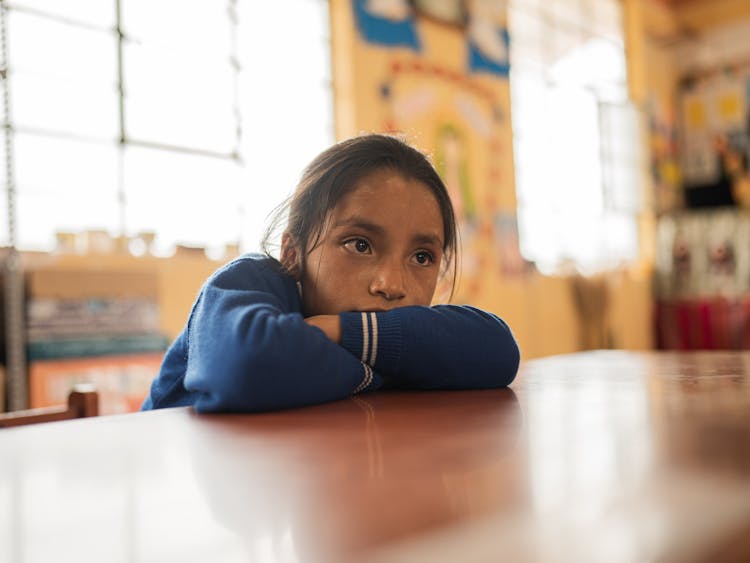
(715, 127)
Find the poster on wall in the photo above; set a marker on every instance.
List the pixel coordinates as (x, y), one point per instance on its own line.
(440, 72)
(716, 138)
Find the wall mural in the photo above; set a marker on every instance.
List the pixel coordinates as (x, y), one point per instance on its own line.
(387, 22)
(462, 114)
(457, 106)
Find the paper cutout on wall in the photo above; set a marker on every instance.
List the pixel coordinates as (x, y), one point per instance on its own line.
(730, 107)
(695, 112)
(393, 23)
(451, 160)
(488, 61)
(411, 105)
(506, 241)
(474, 116)
(387, 22)
(702, 254)
(488, 39)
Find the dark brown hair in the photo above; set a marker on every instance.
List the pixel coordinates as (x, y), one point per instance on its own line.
(337, 170)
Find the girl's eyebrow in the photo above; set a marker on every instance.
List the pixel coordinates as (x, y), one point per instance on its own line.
(428, 239)
(362, 223)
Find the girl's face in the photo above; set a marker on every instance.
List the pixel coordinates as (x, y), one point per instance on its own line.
(382, 247)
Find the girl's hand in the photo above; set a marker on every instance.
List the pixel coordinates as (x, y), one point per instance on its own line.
(330, 324)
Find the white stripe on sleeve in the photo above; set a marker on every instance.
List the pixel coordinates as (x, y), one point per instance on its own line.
(365, 337)
(366, 380)
(374, 320)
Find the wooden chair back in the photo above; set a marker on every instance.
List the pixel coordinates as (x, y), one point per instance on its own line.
(83, 401)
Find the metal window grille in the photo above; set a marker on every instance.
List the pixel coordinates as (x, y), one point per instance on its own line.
(575, 134)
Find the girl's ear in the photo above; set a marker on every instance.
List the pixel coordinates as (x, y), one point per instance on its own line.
(291, 256)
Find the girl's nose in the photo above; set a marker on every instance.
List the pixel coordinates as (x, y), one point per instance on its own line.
(388, 282)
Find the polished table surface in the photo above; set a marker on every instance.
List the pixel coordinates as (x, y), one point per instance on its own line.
(599, 456)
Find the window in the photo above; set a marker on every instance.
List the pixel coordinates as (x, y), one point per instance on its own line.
(192, 123)
(575, 134)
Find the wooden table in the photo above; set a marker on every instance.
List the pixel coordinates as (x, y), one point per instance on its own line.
(604, 456)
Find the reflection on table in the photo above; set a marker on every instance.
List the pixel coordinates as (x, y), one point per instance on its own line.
(610, 456)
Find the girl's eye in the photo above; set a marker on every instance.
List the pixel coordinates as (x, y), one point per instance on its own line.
(424, 258)
(359, 245)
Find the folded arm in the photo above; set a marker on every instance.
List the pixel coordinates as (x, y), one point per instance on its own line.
(441, 347)
(245, 354)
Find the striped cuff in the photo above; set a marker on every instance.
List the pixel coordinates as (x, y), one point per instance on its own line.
(373, 338)
(366, 380)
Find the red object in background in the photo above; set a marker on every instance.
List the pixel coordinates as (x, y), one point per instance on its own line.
(714, 323)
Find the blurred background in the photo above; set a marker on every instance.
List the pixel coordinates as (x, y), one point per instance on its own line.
(596, 152)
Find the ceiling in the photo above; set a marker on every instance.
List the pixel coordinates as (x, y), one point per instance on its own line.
(682, 3)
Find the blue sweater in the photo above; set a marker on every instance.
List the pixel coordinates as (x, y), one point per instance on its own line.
(246, 347)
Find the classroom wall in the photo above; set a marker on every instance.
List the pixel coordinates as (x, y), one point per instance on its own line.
(431, 88)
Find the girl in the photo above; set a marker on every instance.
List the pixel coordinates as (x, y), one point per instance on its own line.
(346, 308)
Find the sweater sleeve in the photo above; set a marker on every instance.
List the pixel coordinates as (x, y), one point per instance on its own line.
(245, 354)
(441, 347)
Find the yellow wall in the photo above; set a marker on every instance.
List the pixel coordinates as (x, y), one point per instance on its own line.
(541, 310)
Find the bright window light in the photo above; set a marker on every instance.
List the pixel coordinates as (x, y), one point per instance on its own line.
(223, 104)
(577, 177)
